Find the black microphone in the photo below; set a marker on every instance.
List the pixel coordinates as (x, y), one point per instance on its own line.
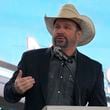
(58, 52)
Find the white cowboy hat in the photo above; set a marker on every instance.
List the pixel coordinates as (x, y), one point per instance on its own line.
(69, 11)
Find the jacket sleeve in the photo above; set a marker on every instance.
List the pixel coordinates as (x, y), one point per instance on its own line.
(10, 93)
(98, 97)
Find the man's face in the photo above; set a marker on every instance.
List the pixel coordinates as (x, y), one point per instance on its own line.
(65, 33)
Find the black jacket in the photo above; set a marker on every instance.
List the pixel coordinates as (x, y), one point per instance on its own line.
(89, 85)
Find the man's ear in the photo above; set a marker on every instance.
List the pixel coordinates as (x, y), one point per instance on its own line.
(79, 34)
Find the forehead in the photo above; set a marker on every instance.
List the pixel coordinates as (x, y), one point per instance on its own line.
(64, 20)
(67, 21)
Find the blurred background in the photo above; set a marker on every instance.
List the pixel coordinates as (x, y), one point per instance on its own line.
(22, 28)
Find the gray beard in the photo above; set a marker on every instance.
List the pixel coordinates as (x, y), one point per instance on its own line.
(60, 44)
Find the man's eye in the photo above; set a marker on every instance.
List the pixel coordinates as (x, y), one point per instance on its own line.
(67, 27)
(57, 27)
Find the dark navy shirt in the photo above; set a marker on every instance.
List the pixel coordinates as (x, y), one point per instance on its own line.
(61, 81)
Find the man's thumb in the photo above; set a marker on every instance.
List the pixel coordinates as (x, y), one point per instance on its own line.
(20, 74)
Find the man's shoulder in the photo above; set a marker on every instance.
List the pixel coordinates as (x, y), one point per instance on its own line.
(88, 59)
(36, 51)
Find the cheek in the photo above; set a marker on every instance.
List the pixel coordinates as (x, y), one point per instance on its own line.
(72, 35)
(54, 33)
(74, 38)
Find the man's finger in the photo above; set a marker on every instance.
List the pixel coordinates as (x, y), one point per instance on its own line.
(19, 74)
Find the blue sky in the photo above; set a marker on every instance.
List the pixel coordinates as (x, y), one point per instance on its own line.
(22, 18)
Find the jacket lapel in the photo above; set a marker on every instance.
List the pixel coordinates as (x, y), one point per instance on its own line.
(43, 71)
(82, 67)
(80, 64)
(78, 78)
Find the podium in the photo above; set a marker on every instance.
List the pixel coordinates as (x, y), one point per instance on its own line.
(75, 108)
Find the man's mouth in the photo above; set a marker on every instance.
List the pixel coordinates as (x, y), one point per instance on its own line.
(59, 39)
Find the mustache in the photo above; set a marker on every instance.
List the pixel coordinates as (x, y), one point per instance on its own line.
(60, 36)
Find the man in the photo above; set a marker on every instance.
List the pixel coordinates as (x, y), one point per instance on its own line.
(59, 75)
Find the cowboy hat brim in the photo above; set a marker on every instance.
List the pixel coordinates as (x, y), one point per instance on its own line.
(88, 29)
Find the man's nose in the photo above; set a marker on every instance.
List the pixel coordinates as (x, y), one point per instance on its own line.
(60, 30)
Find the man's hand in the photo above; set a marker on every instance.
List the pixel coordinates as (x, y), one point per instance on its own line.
(22, 84)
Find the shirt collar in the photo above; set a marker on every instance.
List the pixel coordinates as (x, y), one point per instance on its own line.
(74, 56)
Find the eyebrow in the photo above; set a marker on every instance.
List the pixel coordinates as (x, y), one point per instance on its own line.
(77, 25)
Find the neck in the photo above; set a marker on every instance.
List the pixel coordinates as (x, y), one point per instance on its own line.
(69, 51)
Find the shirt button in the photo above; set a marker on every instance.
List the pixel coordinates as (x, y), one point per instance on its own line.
(70, 76)
(58, 92)
(62, 64)
(61, 77)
